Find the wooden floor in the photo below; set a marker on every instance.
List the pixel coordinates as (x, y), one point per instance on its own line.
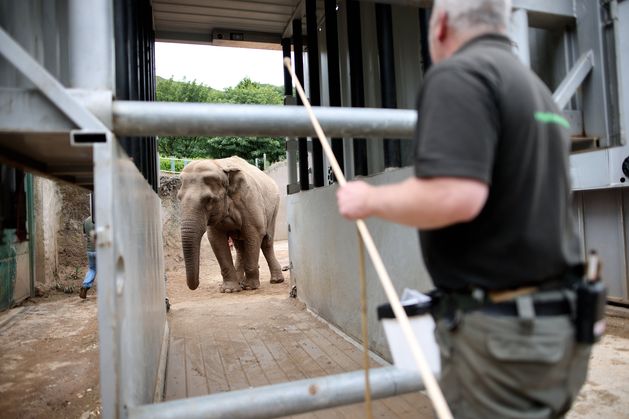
(239, 341)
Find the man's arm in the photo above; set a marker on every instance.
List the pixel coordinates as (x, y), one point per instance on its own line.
(424, 203)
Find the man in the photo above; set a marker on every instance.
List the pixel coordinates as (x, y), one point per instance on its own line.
(491, 198)
(88, 228)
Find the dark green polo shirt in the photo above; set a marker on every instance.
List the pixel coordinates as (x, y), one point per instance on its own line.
(485, 116)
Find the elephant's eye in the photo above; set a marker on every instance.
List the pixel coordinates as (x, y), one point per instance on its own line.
(207, 198)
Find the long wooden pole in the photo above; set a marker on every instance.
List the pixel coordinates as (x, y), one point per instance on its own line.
(434, 391)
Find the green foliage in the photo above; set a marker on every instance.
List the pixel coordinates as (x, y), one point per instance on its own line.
(246, 92)
(164, 164)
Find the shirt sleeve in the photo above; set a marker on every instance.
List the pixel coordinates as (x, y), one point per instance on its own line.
(458, 126)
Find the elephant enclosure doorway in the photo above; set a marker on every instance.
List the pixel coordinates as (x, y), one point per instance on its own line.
(223, 342)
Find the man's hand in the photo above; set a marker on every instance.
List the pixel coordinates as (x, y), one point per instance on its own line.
(420, 203)
(354, 200)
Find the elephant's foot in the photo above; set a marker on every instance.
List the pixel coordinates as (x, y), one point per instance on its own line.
(250, 284)
(230, 286)
(277, 278)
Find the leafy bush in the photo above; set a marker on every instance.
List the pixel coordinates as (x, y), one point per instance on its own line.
(246, 92)
(165, 164)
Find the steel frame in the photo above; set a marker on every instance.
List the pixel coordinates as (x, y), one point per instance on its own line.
(48, 85)
(574, 79)
(167, 118)
(122, 393)
(287, 398)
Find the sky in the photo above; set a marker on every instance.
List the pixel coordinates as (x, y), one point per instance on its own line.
(218, 67)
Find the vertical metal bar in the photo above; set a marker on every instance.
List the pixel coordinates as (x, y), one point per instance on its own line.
(315, 86)
(520, 34)
(291, 154)
(121, 56)
(334, 72)
(424, 23)
(152, 93)
(288, 83)
(91, 50)
(30, 214)
(304, 181)
(384, 28)
(356, 80)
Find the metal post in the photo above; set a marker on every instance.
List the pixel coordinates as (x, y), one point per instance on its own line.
(520, 35)
(287, 398)
(424, 23)
(189, 119)
(30, 214)
(384, 27)
(334, 73)
(288, 82)
(315, 89)
(356, 80)
(304, 178)
(291, 143)
(90, 46)
(577, 74)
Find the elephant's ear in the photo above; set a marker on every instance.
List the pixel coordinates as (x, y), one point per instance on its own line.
(235, 180)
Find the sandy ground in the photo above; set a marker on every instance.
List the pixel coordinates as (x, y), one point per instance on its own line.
(49, 359)
(49, 348)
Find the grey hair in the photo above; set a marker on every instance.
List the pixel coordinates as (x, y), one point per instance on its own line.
(469, 14)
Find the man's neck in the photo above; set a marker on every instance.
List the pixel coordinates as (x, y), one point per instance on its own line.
(462, 38)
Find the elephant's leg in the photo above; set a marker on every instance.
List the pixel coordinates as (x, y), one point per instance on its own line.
(274, 265)
(240, 260)
(220, 246)
(251, 256)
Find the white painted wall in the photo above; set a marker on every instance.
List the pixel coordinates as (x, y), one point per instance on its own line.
(324, 256)
(279, 172)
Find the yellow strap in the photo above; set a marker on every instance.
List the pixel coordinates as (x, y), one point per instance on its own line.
(364, 327)
(502, 296)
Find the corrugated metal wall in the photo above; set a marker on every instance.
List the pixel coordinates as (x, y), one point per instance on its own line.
(135, 75)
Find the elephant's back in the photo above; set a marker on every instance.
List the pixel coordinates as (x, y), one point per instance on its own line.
(259, 182)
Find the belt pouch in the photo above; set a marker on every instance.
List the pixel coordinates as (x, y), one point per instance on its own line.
(590, 318)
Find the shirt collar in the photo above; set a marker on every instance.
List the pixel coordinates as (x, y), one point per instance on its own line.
(496, 39)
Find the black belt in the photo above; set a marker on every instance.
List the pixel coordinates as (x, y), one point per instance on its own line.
(546, 308)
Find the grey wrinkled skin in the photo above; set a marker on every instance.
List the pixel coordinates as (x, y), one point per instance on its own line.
(229, 198)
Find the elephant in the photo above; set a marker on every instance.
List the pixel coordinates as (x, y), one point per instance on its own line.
(229, 198)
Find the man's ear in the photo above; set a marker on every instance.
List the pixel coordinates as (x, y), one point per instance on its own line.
(442, 28)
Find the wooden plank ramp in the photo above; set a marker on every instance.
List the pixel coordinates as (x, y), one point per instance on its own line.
(246, 340)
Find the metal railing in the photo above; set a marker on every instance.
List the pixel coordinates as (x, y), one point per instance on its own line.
(287, 398)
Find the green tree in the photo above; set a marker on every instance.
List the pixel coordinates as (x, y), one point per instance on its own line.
(245, 92)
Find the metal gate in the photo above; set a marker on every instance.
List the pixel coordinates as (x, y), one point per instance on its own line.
(60, 120)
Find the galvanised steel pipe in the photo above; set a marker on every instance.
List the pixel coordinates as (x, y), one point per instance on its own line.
(287, 398)
(90, 44)
(131, 118)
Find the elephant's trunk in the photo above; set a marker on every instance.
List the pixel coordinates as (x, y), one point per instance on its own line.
(191, 233)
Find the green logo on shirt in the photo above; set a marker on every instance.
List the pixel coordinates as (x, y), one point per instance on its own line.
(552, 118)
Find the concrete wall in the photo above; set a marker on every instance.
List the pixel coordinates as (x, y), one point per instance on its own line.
(22, 288)
(324, 255)
(60, 245)
(47, 209)
(279, 173)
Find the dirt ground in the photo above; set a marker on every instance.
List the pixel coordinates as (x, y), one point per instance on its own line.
(49, 365)
(49, 348)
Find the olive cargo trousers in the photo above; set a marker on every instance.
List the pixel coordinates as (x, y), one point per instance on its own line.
(506, 367)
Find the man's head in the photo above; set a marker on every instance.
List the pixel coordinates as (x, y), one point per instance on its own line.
(454, 22)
